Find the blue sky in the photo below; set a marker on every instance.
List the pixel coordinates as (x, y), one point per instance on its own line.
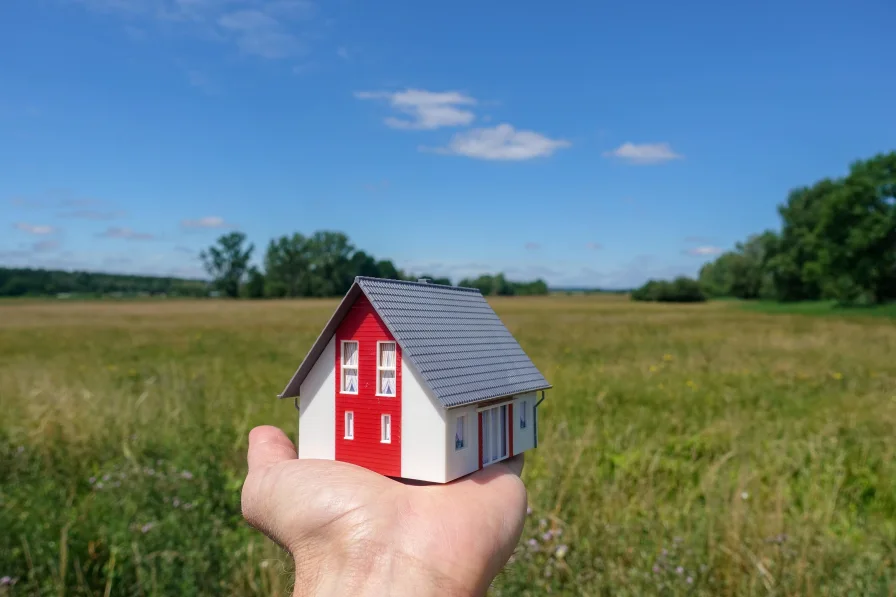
(589, 143)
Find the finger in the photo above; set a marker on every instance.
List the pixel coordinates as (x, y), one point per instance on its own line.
(267, 446)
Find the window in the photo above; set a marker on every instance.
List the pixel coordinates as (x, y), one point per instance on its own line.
(385, 368)
(349, 425)
(523, 414)
(386, 429)
(494, 434)
(459, 440)
(349, 367)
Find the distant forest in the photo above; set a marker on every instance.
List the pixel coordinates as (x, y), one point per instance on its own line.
(323, 264)
(837, 242)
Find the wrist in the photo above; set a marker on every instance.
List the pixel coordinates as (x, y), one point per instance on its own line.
(371, 570)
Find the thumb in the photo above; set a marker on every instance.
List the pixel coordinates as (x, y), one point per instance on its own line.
(267, 446)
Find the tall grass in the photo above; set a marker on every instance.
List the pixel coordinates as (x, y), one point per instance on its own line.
(684, 450)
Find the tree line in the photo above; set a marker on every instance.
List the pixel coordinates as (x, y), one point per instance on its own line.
(837, 241)
(323, 264)
(17, 282)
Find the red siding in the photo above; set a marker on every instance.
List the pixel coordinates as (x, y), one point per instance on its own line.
(363, 325)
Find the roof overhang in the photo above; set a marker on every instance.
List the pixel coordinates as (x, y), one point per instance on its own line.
(292, 388)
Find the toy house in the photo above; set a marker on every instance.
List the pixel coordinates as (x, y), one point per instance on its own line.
(416, 380)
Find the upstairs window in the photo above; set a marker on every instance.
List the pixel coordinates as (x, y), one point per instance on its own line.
(524, 410)
(349, 367)
(460, 441)
(385, 368)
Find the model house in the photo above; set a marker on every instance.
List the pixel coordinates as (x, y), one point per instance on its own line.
(416, 380)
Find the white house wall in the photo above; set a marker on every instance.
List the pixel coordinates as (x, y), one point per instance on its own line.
(466, 460)
(423, 424)
(317, 408)
(524, 439)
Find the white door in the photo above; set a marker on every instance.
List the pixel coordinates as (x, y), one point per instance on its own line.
(495, 438)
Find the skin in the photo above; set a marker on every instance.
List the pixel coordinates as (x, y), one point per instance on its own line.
(354, 532)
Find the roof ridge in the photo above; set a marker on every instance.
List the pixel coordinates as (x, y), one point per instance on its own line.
(421, 284)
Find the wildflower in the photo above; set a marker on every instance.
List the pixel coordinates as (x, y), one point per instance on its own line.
(20, 449)
(837, 375)
(106, 477)
(667, 357)
(654, 368)
(175, 502)
(744, 495)
(677, 540)
(187, 475)
(656, 569)
(92, 480)
(665, 552)
(546, 536)
(5, 581)
(528, 510)
(99, 485)
(689, 580)
(147, 527)
(533, 544)
(547, 573)
(558, 532)
(679, 570)
(542, 523)
(188, 506)
(561, 551)
(690, 383)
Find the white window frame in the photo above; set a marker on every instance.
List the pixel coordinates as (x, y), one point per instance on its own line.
(342, 366)
(524, 414)
(486, 450)
(349, 424)
(462, 419)
(380, 368)
(385, 429)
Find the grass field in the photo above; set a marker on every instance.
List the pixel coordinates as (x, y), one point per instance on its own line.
(685, 450)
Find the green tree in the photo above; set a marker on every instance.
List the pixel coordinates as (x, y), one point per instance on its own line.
(287, 263)
(227, 262)
(856, 230)
(255, 284)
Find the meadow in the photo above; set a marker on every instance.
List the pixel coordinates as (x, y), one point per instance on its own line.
(684, 450)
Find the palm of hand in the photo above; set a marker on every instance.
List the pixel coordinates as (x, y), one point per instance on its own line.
(355, 532)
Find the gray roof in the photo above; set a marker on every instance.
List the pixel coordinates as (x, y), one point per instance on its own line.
(450, 334)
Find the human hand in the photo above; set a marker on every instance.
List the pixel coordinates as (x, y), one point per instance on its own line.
(355, 532)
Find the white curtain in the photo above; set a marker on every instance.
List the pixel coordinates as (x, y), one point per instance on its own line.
(387, 355)
(387, 383)
(350, 354)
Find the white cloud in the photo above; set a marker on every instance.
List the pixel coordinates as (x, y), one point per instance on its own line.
(502, 142)
(532, 246)
(594, 246)
(424, 110)
(206, 222)
(126, 234)
(270, 29)
(644, 153)
(704, 251)
(45, 246)
(92, 214)
(39, 230)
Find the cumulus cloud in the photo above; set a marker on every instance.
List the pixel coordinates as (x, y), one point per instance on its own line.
(644, 153)
(271, 29)
(125, 233)
(502, 142)
(38, 230)
(424, 110)
(703, 251)
(206, 222)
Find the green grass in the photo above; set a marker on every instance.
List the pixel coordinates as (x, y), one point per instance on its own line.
(824, 308)
(754, 453)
